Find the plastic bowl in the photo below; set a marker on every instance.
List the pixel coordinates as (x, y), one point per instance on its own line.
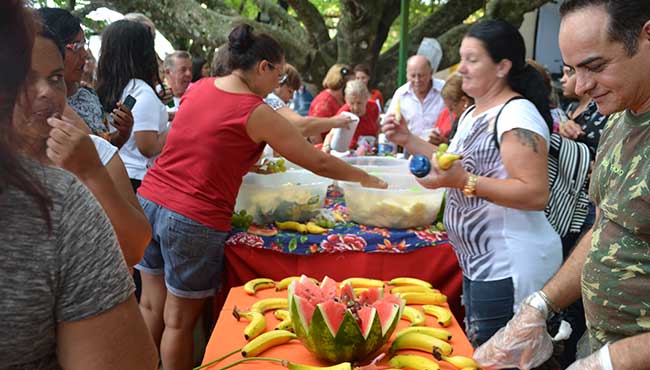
(377, 165)
(405, 204)
(287, 196)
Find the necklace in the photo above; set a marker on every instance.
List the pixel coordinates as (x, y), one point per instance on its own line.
(244, 80)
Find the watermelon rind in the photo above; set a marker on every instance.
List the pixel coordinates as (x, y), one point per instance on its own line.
(299, 323)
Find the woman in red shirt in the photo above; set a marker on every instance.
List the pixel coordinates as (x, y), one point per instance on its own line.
(189, 194)
(330, 100)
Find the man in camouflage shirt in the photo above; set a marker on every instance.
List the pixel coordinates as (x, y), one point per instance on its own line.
(607, 43)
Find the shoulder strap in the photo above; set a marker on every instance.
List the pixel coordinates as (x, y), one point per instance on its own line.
(495, 135)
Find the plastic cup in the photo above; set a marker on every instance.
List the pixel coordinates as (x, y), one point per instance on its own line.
(342, 137)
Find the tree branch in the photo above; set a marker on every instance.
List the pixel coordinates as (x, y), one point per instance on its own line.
(281, 19)
(512, 10)
(313, 21)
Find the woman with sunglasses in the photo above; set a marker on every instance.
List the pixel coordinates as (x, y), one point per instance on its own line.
(189, 194)
(83, 100)
(330, 100)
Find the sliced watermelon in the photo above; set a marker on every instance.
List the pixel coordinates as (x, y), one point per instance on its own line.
(366, 317)
(387, 312)
(328, 288)
(347, 291)
(370, 295)
(308, 290)
(333, 314)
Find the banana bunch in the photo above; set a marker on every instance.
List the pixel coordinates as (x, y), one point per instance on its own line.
(442, 334)
(252, 286)
(420, 342)
(423, 298)
(413, 289)
(358, 282)
(459, 362)
(266, 341)
(443, 314)
(285, 317)
(414, 362)
(413, 315)
(267, 304)
(402, 281)
(310, 227)
(446, 160)
(257, 322)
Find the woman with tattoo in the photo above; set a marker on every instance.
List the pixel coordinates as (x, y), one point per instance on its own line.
(497, 193)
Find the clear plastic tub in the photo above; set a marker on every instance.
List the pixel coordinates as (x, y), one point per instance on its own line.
(287, 196)
(405, 204)
(377, 165)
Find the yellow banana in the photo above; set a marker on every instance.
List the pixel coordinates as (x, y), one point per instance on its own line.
(284, 283)
(362, 283)
(292, 225)
(420, 342)
(257, 322)
(446, 160)
(312, 228)
(413, 288)
(423, 298)
(414, 362)
(398, 112)
(254, 285)
(434, 332)
(266, 341)
(341, 366)
(459, 362)
(285, 316)
(267, 304)
(338, 216)
(409, 281)
(443, 314)
(413, 315)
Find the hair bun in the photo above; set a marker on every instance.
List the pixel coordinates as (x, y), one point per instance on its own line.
(240, 37)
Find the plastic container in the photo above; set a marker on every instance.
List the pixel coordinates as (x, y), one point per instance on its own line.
(405, 204)
(385, 146)
(376, 165)
(342, 137)
(287, 196)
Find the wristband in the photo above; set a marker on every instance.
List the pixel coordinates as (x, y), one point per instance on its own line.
(604, 358)
(536, 301)
(549, 303)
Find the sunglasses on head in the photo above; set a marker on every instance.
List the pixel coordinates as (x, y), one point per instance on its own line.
(75, 46)
(345, 71)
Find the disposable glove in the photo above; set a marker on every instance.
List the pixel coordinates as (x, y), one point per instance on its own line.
(597, 361)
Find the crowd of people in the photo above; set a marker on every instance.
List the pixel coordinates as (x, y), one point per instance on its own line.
(133, 168)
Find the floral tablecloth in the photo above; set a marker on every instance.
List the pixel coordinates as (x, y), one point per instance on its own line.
(348, 236)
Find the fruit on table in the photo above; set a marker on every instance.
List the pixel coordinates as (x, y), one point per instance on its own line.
(413, 288)
(312, 228)
(420, 342)
(266, 341)
(341, 366)
(440, 226)
(257, 322)
(413, 362)
(423, 298)
(439, 333)
(339, 326)
(267, 304)
(254, 285)
(459, 362)
(358, 282)
(284, 203)
(285, 316)
(284, 283)
(409, 281)
(241, 219)
(261, 231)
(413, 315)
(441, 313)
(292, 226)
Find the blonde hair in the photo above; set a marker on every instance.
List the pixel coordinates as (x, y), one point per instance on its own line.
(453, 89)
(335, 77)
(356, 88)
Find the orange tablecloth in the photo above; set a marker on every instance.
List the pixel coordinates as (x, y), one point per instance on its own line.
(228, 335)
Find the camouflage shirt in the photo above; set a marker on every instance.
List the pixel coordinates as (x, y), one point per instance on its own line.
(616, 275)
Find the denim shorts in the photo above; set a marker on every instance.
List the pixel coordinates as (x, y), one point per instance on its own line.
(188, 253)
(488, 307)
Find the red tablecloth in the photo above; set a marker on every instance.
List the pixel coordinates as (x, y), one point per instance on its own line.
(436, 264)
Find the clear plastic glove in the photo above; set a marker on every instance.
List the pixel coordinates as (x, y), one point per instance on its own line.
(524, 343)
(597, 361)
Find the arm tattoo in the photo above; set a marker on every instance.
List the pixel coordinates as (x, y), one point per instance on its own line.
(527, 137)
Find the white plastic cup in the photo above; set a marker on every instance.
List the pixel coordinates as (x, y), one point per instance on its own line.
(342, 137)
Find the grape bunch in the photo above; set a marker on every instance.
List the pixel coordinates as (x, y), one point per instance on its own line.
(276, 166)
(241, 220)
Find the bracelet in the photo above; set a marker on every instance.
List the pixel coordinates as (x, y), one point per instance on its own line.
(549, 303)
(469, 190)
(536, 301)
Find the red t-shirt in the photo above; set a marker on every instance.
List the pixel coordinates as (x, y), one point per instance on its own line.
(324, 105)
(207, 153)
(444, 122)
(367, 123)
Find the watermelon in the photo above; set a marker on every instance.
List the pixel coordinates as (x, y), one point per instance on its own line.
(336, 325)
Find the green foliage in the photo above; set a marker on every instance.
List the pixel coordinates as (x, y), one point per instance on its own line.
(418, 10)
(249, 10)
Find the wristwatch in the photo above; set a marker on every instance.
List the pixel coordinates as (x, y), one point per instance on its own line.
(469, 190)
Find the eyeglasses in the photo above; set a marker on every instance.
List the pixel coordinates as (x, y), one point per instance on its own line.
(283, 77)
(77, 45)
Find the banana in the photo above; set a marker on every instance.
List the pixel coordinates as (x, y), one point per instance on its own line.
(420, 342)
(362, 283)
(257, 322)
(267, 304)
(423, 298)
(285, 316)
(446, 160)
(312, 228)
(260, 283)
(410, 281)
(413, 362)
(398, 112)
(266, 341)
(413, 288)
(443, 314)
(292, 225)
(413, 315)
(434, 332)
(459, 362)
(341, 366)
